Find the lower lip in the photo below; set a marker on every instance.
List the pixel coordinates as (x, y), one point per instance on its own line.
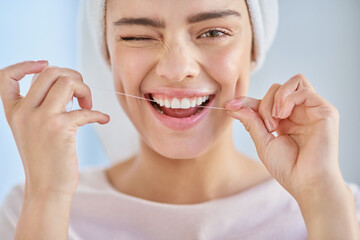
(181, 124)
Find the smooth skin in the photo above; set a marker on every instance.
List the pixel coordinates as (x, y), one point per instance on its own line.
(205, 54)
(303, 158)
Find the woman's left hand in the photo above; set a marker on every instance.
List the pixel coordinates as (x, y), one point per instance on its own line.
(303, 158)
(304, 155)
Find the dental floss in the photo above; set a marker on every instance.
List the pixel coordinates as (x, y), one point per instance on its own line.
(141, 98)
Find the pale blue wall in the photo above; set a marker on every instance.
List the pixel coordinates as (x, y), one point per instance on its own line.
(32, 30)
(318, 38)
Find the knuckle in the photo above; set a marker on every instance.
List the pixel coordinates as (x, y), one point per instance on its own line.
(67, 82)
(75, 74)
(51, 70)
(250, 123)
(275, 86)
(302, 80)
(263, 149)
(306, 91)
(333, 112)
(279, 96)
(87, 114)
(300, 76)
(88, 90)
(336, 112)
(330, 112)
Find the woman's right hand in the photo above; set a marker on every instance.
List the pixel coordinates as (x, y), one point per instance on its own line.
(44, 132)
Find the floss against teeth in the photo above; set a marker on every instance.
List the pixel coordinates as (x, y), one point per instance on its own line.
(68, 106)
(145, 99)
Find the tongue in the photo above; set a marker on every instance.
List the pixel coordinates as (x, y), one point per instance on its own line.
(179, 113)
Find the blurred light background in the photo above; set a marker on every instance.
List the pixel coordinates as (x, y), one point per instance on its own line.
(317, 38)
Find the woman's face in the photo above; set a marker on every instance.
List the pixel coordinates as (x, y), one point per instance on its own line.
(183, 54)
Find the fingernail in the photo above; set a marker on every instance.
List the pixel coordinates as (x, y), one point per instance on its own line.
(278, 111)
(281, 114)
(42, 62)
(234, 104)
(269, 125)
(274, 111)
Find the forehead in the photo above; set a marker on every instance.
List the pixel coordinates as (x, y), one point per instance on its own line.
(170, 10)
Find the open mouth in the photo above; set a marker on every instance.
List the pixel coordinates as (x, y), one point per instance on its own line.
(179, 107)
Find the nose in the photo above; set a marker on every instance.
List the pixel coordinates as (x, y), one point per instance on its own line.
(177, 64)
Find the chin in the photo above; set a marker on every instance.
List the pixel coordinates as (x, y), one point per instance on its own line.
(180, 148)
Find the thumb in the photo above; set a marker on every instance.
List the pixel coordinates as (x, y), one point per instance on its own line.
(84, 116)
(246, 110)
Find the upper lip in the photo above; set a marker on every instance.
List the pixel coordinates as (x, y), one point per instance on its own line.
(180, 93)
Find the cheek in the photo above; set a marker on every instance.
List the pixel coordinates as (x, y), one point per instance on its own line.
(125, 67)
(230, 66)
(128, 76)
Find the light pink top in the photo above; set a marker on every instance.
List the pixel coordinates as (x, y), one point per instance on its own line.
(98, 211)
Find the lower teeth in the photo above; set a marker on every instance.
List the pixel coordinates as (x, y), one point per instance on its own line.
(157, 108)
(160, 111)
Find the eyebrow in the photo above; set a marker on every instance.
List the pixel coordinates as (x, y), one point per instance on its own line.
(140, 21)
(211, 15)
(144, 21)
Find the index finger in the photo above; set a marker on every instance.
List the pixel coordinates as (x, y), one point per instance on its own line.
(243, 102)
(9, 77)
(19, 70)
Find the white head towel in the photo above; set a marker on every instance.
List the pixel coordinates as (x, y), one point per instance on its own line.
(119, 137)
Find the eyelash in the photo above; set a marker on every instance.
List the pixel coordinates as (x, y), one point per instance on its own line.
(135, 39)
(138, 39)
(223, 33)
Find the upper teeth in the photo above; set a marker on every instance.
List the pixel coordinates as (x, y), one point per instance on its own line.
(183, 103)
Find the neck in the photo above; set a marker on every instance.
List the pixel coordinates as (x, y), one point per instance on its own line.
(219, 172)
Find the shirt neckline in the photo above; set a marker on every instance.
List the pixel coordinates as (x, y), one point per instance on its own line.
(252, 190)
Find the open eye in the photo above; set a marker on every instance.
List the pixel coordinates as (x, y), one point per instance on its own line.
(214, 33)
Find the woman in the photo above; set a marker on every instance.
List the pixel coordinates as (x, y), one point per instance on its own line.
(187, 181)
